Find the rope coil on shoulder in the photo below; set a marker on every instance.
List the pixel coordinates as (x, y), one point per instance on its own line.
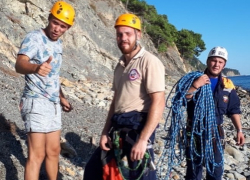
(204, 127)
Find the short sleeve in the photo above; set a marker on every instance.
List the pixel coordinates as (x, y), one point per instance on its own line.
(154, 76)
(29, 46)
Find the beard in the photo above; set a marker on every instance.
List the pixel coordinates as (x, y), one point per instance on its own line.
(126, 49)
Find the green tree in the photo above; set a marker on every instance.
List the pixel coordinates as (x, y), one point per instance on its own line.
(200, 45)
(164, 34)
(156, 26)
(189, 43)
(185, 43)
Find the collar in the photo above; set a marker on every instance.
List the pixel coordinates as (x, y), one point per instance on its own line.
(137, 56)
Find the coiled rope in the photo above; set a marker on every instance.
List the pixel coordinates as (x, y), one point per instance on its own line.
(203, 126)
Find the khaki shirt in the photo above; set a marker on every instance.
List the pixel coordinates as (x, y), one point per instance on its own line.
(132, 84)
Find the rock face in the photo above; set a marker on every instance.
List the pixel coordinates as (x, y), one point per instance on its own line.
(90, 51)
(90, 55)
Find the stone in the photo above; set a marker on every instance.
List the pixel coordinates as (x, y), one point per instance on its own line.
(66, 149)
(70, 171)
(235, 153)
(239, 176)
(230, 176)
(227, 167)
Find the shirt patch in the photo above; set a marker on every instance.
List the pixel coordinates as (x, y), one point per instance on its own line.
(133, 75)
(225, 99)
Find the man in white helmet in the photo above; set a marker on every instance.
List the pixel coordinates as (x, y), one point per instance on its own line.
(40, 59)
(226, 103)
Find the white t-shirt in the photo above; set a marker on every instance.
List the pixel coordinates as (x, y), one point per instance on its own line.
(38, 47)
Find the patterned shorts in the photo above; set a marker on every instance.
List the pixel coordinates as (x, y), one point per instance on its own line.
(40, 115)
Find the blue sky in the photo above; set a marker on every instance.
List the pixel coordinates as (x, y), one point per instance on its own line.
(223, 23)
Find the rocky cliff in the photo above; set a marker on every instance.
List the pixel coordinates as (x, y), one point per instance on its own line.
(230, 72)
(89, 47)
(90, 55)
(90, 51)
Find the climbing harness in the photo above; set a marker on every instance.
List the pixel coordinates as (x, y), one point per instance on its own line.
(121, 158)
(204, 128)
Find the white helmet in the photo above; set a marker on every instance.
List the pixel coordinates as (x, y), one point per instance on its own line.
(219, 52)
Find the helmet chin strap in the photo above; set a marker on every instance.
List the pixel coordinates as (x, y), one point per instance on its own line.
(136, 45)
(136, 41)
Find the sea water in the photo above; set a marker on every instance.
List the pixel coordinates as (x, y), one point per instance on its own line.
(242, 81)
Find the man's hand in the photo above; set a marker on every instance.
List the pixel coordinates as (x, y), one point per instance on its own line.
(201, 81)
(237, 124)
(105, 142)
(240, 139)
(66, 106)
(44, 68)
(138, 150)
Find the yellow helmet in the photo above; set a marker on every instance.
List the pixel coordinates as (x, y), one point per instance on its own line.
(64, 12)
(130, 20)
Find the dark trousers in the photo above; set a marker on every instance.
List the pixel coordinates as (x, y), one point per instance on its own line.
(93, 168)
(196, 173)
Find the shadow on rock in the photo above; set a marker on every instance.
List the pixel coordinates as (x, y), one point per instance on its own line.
(78, 151)
(43, 174)
(10, 149)
(11, 152)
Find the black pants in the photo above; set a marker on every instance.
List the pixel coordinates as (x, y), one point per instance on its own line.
(196, 174)
(93, 168)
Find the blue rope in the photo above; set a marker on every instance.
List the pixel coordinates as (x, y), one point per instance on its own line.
(204, 126)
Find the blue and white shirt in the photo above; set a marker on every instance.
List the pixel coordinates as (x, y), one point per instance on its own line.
(38, 47)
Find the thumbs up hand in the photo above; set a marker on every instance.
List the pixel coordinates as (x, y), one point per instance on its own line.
(44, 68)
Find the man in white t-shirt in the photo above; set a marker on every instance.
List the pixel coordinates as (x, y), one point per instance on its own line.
(40, 59)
